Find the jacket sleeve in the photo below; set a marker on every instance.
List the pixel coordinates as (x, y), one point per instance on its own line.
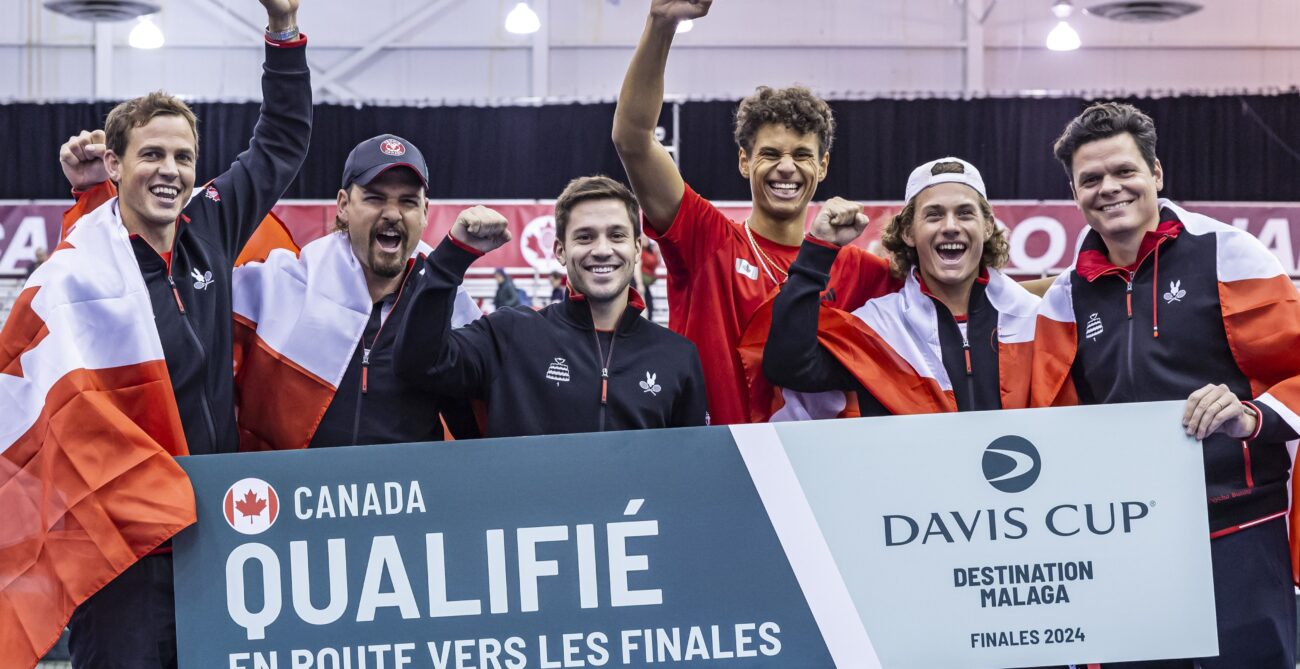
(85, 202)
(690, 408)
(428, 353)
(792, 356)
(1261, 316)
(237, 201)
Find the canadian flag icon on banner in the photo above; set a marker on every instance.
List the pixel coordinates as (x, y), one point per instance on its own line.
(251, 506)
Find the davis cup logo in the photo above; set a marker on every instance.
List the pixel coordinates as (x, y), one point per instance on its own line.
(251, 506)
(392, 147)
(1011, 464)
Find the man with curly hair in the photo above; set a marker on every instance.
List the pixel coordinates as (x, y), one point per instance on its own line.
(955, 338)
(721, 272)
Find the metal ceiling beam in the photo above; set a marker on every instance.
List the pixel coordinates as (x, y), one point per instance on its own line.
(241, 25)
(381, 39)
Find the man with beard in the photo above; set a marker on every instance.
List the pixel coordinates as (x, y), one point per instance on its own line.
(337, 293)
(719, 273)
(587, 364)
(383, 210)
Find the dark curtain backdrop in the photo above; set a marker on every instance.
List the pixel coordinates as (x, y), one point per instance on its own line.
(1213, 148)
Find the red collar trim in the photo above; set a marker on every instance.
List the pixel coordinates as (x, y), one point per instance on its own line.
(634, 300)
(1094, 263)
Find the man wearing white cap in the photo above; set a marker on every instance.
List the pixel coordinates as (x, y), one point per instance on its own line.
(955, 338)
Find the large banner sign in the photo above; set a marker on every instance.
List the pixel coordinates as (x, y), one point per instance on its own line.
(991, 539)
(1043, 235)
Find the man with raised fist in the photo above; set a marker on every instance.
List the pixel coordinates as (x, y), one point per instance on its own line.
(957, 337)
(587, 364)
(719, 273)
(126, 332)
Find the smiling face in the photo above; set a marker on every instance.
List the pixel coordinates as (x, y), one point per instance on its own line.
(599, 249)
(155, 172)
(384, 220)
(783, 168)
(1115, 189)
(948, 233)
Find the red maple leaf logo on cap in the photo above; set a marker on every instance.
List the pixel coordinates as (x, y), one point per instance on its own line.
(251, 505)
(392, 147)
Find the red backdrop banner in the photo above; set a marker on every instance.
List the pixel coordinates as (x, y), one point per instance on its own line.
(1043, 235)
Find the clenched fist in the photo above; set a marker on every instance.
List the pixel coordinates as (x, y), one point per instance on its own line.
(839, 222)
(481, 228)
(679, 10)
(82, 159)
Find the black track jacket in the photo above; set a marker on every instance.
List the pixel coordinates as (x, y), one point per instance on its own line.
(540, 371)
(191, 298)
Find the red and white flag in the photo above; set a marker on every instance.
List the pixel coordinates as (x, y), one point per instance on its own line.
(88, 482)
(891, 346)
(298, 318)
(1261, 316)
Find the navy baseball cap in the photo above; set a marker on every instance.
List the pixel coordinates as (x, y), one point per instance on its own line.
(377, 155)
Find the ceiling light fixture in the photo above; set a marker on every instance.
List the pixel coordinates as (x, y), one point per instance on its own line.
(522, 20)
(1063, 37)
(145, 35)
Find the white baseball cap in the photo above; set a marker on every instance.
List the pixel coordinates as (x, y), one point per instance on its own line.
(923, 177)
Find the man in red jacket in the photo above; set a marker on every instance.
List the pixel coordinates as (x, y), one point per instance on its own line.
(720, 272)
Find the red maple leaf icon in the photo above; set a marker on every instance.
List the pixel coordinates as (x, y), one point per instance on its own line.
(250, 505)
(535, 244)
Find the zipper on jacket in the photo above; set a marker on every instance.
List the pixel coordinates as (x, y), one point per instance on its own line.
(176, 294)
(970, 372)
(365, 353)
(1245, 453)
(361, 392)
(604, 372)
(203, 382)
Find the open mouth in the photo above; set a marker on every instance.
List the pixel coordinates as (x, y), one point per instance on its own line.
(1116, 206)
(389, 241)
(785, 190)
(166, 195)
(951, 252)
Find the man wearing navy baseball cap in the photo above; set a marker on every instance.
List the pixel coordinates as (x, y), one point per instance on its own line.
(382, 207)
(383, 211)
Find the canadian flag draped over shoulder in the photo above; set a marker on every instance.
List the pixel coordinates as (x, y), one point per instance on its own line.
(88, 482)
(891, 345)
(298, 317)
(1261, 317)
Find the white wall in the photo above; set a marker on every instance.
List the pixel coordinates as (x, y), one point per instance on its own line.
(839, 47)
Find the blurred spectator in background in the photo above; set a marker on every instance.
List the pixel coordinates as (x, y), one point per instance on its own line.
(650, 261)
(557, 286)
(41, 256)
(508, 294)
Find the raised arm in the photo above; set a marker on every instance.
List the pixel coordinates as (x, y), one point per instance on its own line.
(245, 193)
(792, 357)
(651, 170)
(428, 352)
